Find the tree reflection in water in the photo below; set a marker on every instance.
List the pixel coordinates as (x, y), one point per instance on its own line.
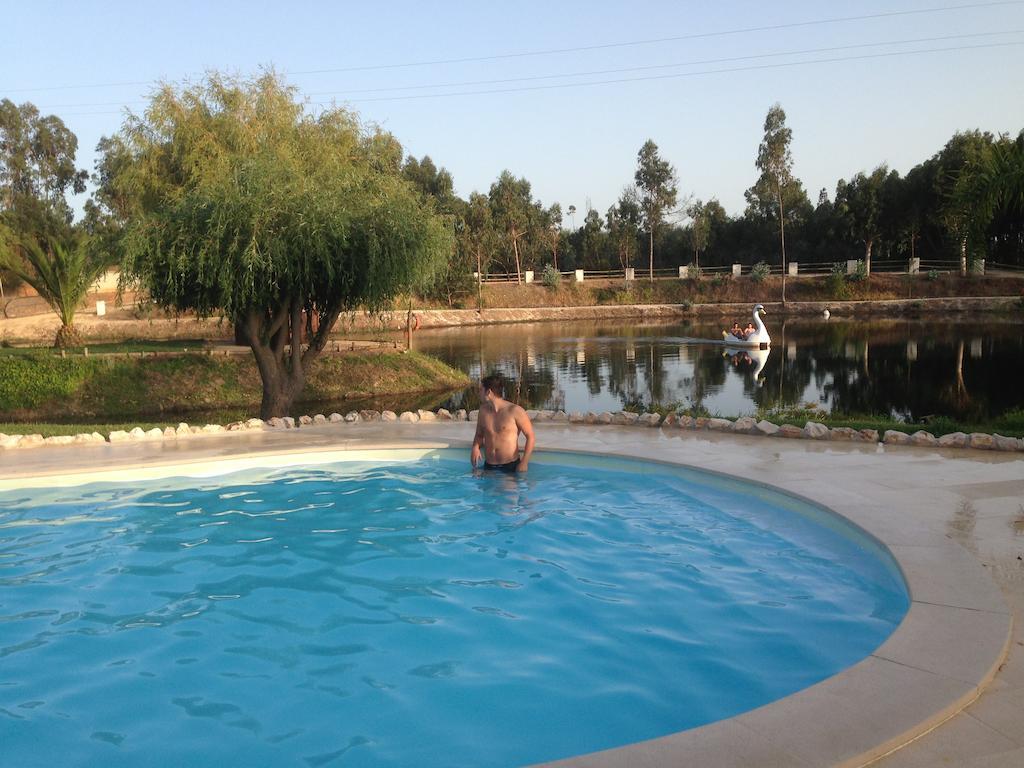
(901, 368)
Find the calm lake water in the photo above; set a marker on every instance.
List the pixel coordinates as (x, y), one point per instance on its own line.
(907, 368)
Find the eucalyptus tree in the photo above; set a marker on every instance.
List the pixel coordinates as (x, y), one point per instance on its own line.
(860, 204)
(513, 212)
(37, 171)
(775, 161)
(657, 183)
(704, 218)
(623, 220)
(992, 182)
(478, 237)
(551, 230)
(248, 205)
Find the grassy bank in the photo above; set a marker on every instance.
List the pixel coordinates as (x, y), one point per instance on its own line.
(723, 290)
(44, 390)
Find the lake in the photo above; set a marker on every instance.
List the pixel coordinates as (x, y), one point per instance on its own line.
(967, 369)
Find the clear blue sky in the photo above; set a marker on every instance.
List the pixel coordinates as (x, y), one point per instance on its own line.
(575, 142)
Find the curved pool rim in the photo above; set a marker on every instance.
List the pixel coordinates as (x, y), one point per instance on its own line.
(937, 661)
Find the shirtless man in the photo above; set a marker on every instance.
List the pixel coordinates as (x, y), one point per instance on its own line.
(497, 430)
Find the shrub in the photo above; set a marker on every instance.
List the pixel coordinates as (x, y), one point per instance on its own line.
(933, 274)
(860, 271)
(836, 282)
(550, 277)
(720, 279)
(760, 271)
(693, 272)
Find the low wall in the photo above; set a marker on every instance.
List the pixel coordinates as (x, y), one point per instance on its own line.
(443, 318)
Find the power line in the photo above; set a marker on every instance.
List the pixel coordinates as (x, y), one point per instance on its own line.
(592, 73)
(678, 75)
(669, 66)
(579, 49)
(682, 74)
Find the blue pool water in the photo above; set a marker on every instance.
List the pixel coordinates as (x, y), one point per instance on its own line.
(413, 613)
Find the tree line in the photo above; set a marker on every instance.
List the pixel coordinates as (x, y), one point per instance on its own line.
(966, 200)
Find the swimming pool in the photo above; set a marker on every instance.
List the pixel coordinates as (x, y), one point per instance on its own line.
(398, 609)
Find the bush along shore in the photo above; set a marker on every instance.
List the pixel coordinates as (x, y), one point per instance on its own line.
(744, 425)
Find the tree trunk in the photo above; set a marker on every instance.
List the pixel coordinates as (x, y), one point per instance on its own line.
(515, 249)
(650, 261)
(867, 257)
(276, 341)
(479, 283)
(782, 235)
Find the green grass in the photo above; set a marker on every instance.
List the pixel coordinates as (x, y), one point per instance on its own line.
(1010, 424)
(47, 390)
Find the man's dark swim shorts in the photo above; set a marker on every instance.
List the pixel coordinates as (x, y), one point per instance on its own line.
(510, 466)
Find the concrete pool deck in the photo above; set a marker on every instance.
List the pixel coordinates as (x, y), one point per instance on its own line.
(946, 688)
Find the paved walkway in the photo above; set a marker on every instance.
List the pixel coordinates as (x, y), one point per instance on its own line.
(963, 507)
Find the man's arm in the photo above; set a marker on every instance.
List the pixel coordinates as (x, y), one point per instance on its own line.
(478, 441)
(526, 427)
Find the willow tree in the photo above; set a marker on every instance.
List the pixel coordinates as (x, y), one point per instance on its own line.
(248, 206)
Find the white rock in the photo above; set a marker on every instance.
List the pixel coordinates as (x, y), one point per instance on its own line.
(155, 434)
(670, 420)
(443, 414)
(388, 416)
(137, 433)
(119, 436)
(59, 440)
(953, 440)
(719, 425)
(981, 441)
(254, 424)
(1003, 443)
(816, 430)
(590, 417)
(10, 441)
(745, 425)
(305, 420)
(576, 417)
(336, 417)
(560, 416)
(532, 415)
(193, 430)
(289, 422)
(472, 415)
(766, 427)
(426, 415)
(169, 433)
(847, 434)
(319, 419)
(409, 417)
(235, 426)
(542, 416)
(923, 438)
(98, 438)
(651, 419)
(605, 418)
(369, 415)
(82, 438)
(461, 415)
(182, 430)
(213, 429)
(352, 417)
(895, 437)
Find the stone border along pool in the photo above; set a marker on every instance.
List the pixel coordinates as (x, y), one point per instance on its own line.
(946, 651)
(744, 425)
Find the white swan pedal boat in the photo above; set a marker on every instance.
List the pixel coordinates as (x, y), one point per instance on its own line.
(759, 339)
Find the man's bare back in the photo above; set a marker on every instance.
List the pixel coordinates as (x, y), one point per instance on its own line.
(499, 423)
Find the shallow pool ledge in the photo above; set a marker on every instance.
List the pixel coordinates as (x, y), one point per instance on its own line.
(947, 649)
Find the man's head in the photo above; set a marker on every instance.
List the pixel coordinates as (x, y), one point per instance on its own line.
(492, 386)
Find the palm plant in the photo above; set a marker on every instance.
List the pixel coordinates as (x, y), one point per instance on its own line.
(61, 270)
(994, 183)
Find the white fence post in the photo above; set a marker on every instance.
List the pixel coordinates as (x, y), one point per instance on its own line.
(851, 266)
(579, 275)
(978, 267)
(684, 272)
(914, 267)
(528, 275)
(630, 274)
(737, 270)
(793, 268)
